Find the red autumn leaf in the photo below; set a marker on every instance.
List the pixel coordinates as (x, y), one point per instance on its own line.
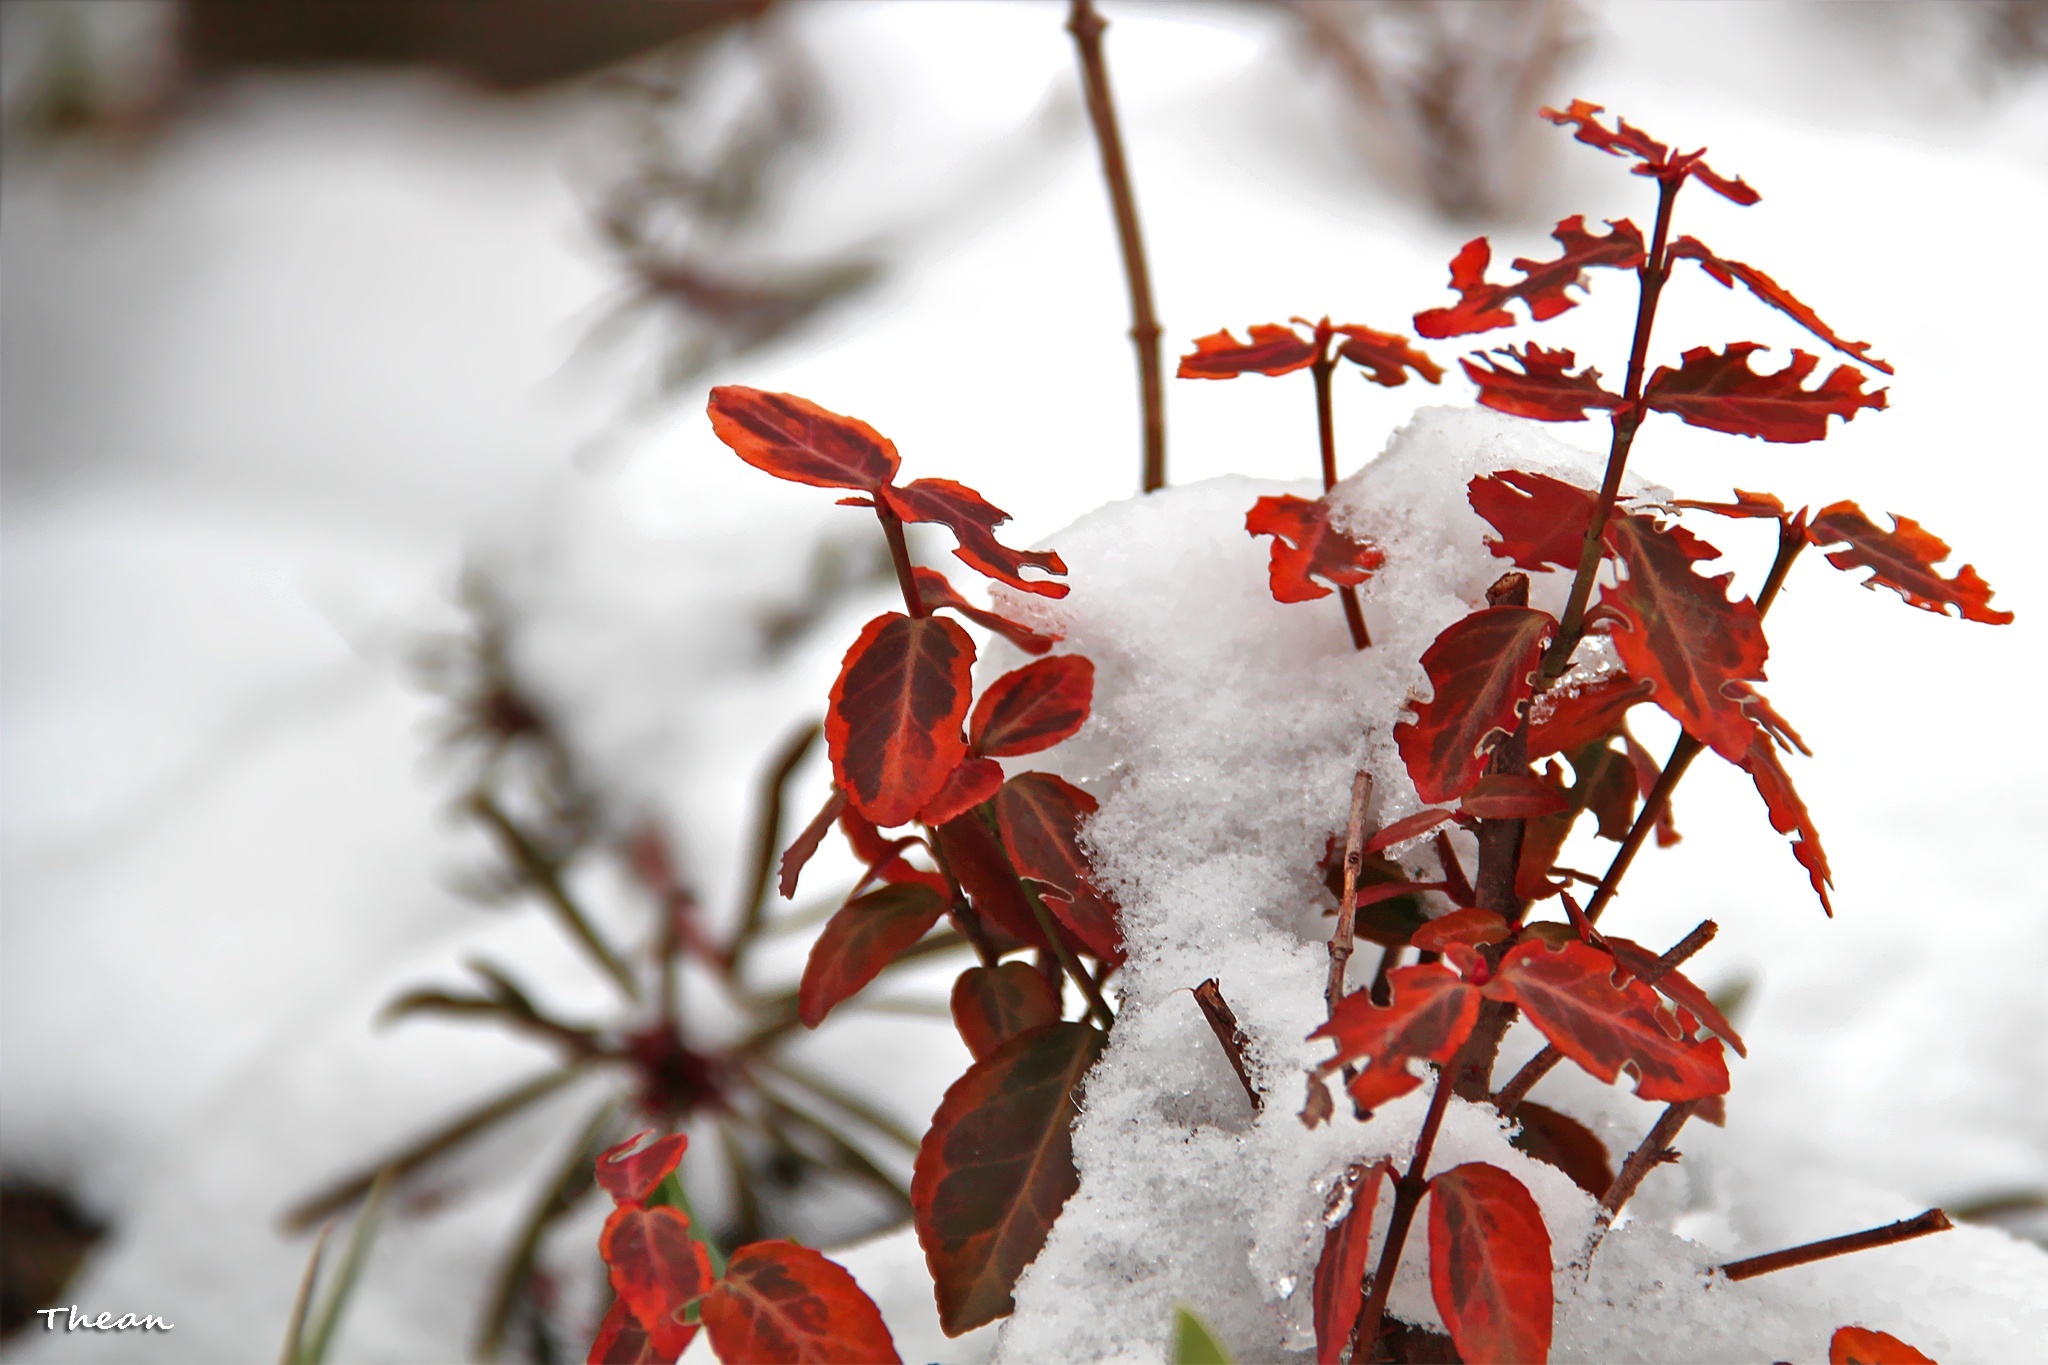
(1339, 1288)
(1564, 721)
(795, 439)
(1608, 787)
(973, 522)
(1776, 295)
(1406, 828)
(1482, 306)
(1721, 393)
(996, 1167)
(1039, 817)
(1675, 985)
(1513, 796)
(893, 728)
(1867, 1346)
(1653, 158)
(1273, 350)
(1428, 1015)
(937, 592)
(1480, 673)
(1306, 546)
(785, 1304)
(1678, 631)
(983, 870)
(1489, 1265)
(1746, 504)
(805, 846)
(1788, 813)
(992, 1005)
(630, 1176)
(1562, 1141)
(621, 1340)
(970, 784)
(1544, 388)
(1903, 560)
(862, 938)
(1471, 927)
(1541, 520)
(883, 855)
(1033, 707)
(1386, 357)
(1570, 995)
(658, 1269)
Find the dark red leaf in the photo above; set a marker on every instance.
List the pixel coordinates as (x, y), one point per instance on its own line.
(992, 1005)
(937, 592)
(1647, 773)
(1653, 158)
(1513, 796)
(630, 1176)
(1489, 1265)
(862, 938)
(1428, 1016)
(1386, 357)
(1746, 504)
(795, 439)
(973, 782)
(1903, 560)
(1788, 813)
(1307, 546)
(1039, 817)
(1608, 787)
(1544, 388)
(1033, 707)
(805, 846)
(1273, 350)
(1470, 927)
(621, 1340)
(1674, 985)
(658, 1269)
(1542, 838)
(893, 728)
(1867, 1346)
(1562, 1141)
(996, 1167)
(1721, 393)
(973, 523)
(1570, 995)
(1541, 520)
(884, 856)
(1776, 295)
(1482, 306)
(1339, 1289)
(983, 870)
(785, 1304)
(1678, 631)
(1564, 721)
(1406, 828)
(1481, 674)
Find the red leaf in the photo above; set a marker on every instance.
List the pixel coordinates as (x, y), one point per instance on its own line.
(1033, 707)
(1866, 1346)
(1564, 721)
(884, 856)
(1721, 393)
(992, 1005)
(1903, 559)
(1406, 828)
(1543, 389)
(1746, 504)
(996, 1167)
(1429, 1013)
(1039, 818)
(1340, 1270)
(937, 592)
(1678, 631)
(1788, 813)
(893, 728)
(1480, 673)
(630, 1176)
(805, 846)
(977, 861)
(1542, 839)
(1513, 796)
(1470, 927)
(1562, 1141)
(1305, 545)
(862, 938)
(1482, 306)
(621, 1340)
(1541, 520)
(1770, 291)
(1570, 995)
(1386, 357)
(787, 1305)
(1653, 157)
(1273, 350)
(1647, 773)
(970, 784)
(658, 1269)
(1674, 985)
(795, 439)
(973, 523)
(1489, 1265)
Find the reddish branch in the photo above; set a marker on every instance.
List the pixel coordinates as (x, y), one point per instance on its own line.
(1341, 939)
(1326, 432)
(1223, 1023)
(1655, 1150)
(1408, 1191)
(1934, 1220)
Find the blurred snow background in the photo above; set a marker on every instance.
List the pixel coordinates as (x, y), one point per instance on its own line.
(285, 353)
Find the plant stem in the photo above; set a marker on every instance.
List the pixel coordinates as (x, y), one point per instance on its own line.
(768, 838)
(1652, 1152)
(1408, 1192)
(1326, 433)
(572, 1181)
(1097, 1006)
(1934, 1220)
(545, 874)
(1223, 1023)
(1341, 938)
(1087, 26)
(899, 555)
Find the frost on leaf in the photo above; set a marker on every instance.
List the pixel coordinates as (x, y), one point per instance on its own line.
(1544, 388)
(1721, 393)
(1542, 521)
(656, 1269)
(1567, 721)
(1033, 707)
(893, 726)
(862, 938)
(973, 521)
(996, 1167)
(937, 592)
(1480, 673)
(1776, 295)
(1481, 306)
(1307, 547)
(1489, 1264)
(1039, 818)
(1272, 350)
(795, 439)
(630, 1176)
(1428, 1015)
(1653, 158)
(1866, 1346)
(1339, 1292)
(992, 1005)
(1903, 560)
(784, 1302)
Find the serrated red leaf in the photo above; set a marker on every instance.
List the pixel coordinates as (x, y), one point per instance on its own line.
(1544, 388)
(1720, 392)
(1471, 927)
(996, 1167)
(1570, 995)
(1428, 1015)
(893, 726)
(860, 939)
(1867, 1346)
(970, 784)
(1653, 158)
(629, 1176)
(1727, 272)
(1306, 546)
(1541, 520)
(1746, 504)
(784, 1304)
(973, 521)
(1481, 674)
(1608, 788)
(1513, 796)
(1903, 560)
(1039, 818)
(1647, 773)
(657, 1269)
(1406, 828)
(1674, 985)
(1386, 357)
(1788, 813)
(805, 846)
(1482, 306)
(1680, 632)
(1339, 1285)
(937, 592)
(977, 861)
(992, 1005)
(795, 439)
(1489, 1265)
(1272, 350)
(621, 1340)
(1542, 839)
(1033, 707)
(1564, 721)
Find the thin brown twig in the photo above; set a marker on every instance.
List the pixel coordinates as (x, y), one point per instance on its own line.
(1653, 1151)
(1326, 435)
(1223, 1023)
(1341, 939)
(1934, 1220)
(899, 558)
(768, 837)
(1090, 992)
(545, 874)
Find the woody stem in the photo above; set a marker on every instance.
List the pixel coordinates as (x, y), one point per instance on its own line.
(1408, 1192)
(1326, 433)
(899, 556)
(1341, 939)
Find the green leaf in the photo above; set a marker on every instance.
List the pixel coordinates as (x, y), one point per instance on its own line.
(1194, 1343)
